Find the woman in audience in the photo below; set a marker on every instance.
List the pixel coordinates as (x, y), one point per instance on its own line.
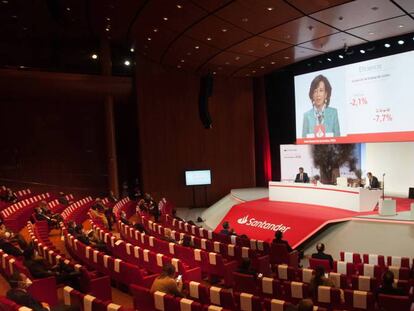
(166, 283)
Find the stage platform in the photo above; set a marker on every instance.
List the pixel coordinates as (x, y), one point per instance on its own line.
(260, 218)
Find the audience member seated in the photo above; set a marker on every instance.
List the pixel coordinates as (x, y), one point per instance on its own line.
(6, 242)
(18, 293)
(41, 216)
(320, 247)
(166, 283)
(9, 196)
(186, 241)
(97, 211)
(174, 215)
(89, 238)
(71, 227)
(146, 204)
(109, 215)
(54, 218)
(112, 198)
(387, 287)
(278, 240)
(140, 227)
(167, 236)
(62, 199)
(245, 267)
(305, 305)
(9, 237)
(123, 218)
(319, 279)
(226, 229)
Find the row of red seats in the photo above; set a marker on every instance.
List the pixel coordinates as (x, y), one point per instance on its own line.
(91, 281)
(8, 305)
(77, 211)
(57, 207)
(380, 260)
(150, 260)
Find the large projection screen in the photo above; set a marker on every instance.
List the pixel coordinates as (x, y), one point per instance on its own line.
(370, 101)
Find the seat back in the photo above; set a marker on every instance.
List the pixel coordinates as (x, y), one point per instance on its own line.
(374, 259)
(364, 283)
(373, 271)
(314, 262)
(244, 283)
(328, 297)
(295, 291)
(359, 300)
(397, 261)
(276, 304)
(284, 272)
(390, 302)
(350, 257)
(247, 302)
(269, 287)
(343, 267)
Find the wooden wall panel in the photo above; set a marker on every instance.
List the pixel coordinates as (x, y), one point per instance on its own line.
(172, 138)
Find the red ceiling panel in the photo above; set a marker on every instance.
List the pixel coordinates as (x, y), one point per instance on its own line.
(299, 30)
(333, 42)
(312, 6)
(221, 33)
(259, 15)
(357, 13)
(259, 47)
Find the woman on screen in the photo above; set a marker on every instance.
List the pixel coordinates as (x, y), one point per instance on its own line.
(321, 120)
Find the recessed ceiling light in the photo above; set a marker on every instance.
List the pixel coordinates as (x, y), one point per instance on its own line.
(245, 19)
(127, 63)
(208, 38)
(132, 50)
(247, 74)
(108, 19)
(272, 63)
(371, 33)
(178, 66)
(270, 9)
(149, 39)
(253, 71)
(224, 30)
(188, 53)
(155, 30)
(362, 51)
(165, 18)
(250, 51)
(227, 63)
(107, 29)
(179, 6)
(400, 42)
(214, 72)
(14, 16)
(237, 58)
(94, 56)
(286, 57)
(68, 9)
(182, 60)
(196, 47)
(5, 1)
(400, 26)
(387, 45)
(266, 44)
(262, 67)
(340, 56)
(329, 59)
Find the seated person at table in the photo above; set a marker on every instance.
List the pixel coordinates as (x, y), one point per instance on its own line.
(302, 176)
(226, 229)
(387, 287)
(319, 279)
(245, 267)
(278, 240)
(320, 247)
(373, 182)
(166, 283)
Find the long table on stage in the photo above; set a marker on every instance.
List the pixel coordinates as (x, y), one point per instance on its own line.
(352, 199)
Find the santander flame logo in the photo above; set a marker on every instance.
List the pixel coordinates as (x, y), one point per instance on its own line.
(243, 220)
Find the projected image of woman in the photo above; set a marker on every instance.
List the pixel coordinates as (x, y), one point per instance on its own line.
(321, 120)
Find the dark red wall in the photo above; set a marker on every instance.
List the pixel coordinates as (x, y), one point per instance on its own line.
(172, 138)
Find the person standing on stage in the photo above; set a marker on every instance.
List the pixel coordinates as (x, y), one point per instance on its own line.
(302, 176)
(373, 182)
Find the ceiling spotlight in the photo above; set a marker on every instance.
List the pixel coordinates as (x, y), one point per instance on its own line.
(272, 63)
(189, 53)
(253, 71)
(208, 38)
(227, 63)
(127, 63)
(329, 59)
(237, 58)
(108, 19)
(182, 60)
(132, 50)
(196, 47)
(224, 30)
(178, 66)
(387, 45)
(262, 67)
(68, 9)
(362, 51)
(400, 42)
(286, 57)
(155, 30)
(149, 39)
(270, 9)
(5, 1)
(107, 29)
(340, 56)
(245, 19)
(179, 6)
(214, 72)
(400, 26)
(94, 56)
(165, 18)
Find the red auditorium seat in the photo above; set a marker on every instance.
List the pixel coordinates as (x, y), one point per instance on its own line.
(275, 304)
(350, 257)
(244, 283)
(343, 267)
(270, 288)
(397, 261)
(284, 272)
(328, 297)
(340, 280)
(247, 302)
(373, 271)
(295, 291)
(389, 302)
(313, 263)
(8, 305)
(374, 259)
(305, 275)
(364, 283)
(359, 300)
(400, 273)
(280, 255)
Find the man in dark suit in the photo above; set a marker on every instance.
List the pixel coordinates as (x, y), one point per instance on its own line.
(373, 181)
(320, 247)
(278, 240)
(302, 176)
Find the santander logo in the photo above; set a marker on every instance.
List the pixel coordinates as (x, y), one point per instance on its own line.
(252, 222)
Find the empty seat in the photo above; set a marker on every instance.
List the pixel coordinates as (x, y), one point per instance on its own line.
(364, 283)
(390, 302)
(350, 257)
(314, 262)
(359, 300)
